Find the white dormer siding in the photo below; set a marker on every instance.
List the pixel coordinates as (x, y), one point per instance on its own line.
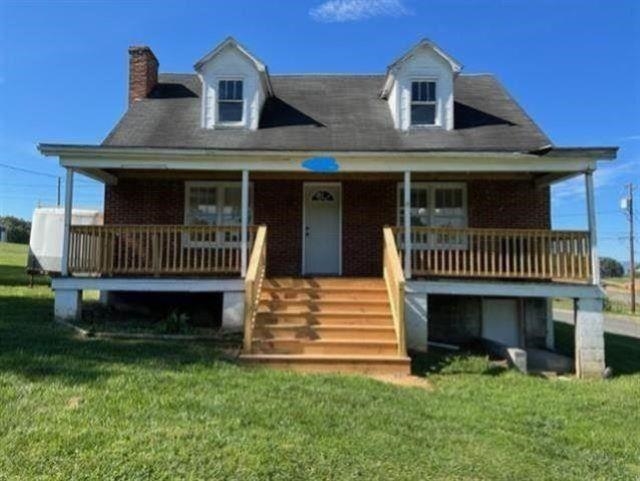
(424, 63)
(231, 61)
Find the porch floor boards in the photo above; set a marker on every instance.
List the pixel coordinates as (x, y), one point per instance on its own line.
(326, 325)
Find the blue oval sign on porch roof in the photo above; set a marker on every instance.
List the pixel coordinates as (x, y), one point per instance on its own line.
(321, 164)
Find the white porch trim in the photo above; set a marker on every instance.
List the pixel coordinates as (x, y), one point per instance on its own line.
(407, 224)
(591, 218)
(68, 210)
(244, 221)
(147, 284)
(504, 289)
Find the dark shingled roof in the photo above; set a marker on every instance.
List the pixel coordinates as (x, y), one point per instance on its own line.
(329, 113)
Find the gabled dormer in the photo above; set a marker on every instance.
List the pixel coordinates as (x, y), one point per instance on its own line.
(235, 85)
(419, 88)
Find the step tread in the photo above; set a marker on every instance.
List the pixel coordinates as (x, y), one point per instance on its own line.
(339, 342)
(326, 358)
(380, 301)
(324, 285)
(322, 313)
(325, 327)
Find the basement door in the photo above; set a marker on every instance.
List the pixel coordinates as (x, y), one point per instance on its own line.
(322, 229)
(500, 321)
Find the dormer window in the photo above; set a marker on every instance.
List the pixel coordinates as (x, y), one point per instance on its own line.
(230, 101)
(423, 102)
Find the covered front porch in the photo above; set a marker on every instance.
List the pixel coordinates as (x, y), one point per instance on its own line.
(438, 221)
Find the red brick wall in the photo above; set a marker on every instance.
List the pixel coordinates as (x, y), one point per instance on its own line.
(135, 201)
(367, 206)
(508, 204)
(143, 72)
(278, 205)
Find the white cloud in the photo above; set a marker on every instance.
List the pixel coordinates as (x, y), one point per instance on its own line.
(607, 176)
(354, 10)
(630, 137)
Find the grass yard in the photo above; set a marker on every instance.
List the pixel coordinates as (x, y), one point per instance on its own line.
(95, 409)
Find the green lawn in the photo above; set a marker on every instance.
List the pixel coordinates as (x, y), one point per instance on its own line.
(94, 409)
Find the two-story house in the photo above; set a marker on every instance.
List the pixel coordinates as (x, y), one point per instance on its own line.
(343, 218)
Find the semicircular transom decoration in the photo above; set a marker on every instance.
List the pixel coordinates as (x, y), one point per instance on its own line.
(322, 196)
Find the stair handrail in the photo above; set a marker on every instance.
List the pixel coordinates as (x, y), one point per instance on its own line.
(253, 284)
(395, 281)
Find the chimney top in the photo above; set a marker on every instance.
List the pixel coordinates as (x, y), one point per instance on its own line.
(143, 72)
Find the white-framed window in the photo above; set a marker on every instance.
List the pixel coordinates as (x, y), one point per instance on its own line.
(435, 204)
(214, 203)
(423, 102)
(230, 101)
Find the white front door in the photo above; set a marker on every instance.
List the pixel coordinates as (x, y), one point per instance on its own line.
(500, 321)
(321, 229)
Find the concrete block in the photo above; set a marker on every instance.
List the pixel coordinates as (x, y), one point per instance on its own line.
(589, 337)
(67, 304)
(416, 320)
(233, 311)
(550, 339)
(518, 358)
(104, 298)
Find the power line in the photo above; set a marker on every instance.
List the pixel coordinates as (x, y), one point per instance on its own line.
(83, 186)
(605, 212)
(13, 167)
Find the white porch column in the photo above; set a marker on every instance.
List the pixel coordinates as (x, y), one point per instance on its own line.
(68, 206)
(407, 224)
(591, 215)
(244, 216)
(589, 337)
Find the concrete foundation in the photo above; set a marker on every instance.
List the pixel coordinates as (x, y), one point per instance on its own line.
(67, 304)
(104, 298)
(416, 320)
(233, 311)
(589, 337)
(550, 341)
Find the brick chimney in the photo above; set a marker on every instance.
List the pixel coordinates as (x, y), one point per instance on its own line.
(143, 72)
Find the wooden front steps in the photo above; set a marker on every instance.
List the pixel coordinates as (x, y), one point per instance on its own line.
(326, 324)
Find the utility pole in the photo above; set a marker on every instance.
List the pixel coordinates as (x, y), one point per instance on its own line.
(628, 207)
(58, 191)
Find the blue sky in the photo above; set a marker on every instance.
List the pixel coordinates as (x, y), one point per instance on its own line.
(573, 65)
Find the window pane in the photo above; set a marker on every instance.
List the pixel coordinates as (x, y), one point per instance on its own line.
(415, 91)
(202, 209)
(423, 91)
(230, 111)
(419, 207)
(230, 90)
(431, 95)
(423, 114)
(231, 212)
(448, 198)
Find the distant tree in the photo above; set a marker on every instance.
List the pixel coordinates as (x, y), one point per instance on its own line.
(18, 230)
(610, 267)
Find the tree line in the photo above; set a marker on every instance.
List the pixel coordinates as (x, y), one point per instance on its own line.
(18, 230)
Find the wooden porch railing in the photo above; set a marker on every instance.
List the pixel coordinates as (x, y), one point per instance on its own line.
(253, 284)
(394, 279)
(500, 253)
(156, 249)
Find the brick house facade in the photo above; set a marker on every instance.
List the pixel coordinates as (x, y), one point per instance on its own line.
(367, 206)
